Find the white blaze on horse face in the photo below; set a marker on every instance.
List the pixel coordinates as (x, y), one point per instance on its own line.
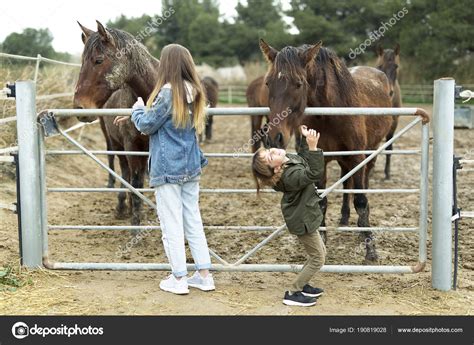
(280, 74)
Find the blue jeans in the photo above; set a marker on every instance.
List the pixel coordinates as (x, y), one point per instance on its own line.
(180, 218)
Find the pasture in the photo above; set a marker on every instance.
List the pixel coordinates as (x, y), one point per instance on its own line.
(87, 292)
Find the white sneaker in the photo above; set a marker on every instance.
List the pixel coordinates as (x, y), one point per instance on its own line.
(171, 284)
(201, 283)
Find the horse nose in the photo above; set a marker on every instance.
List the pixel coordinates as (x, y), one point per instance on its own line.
(279, 140)
(76, 103)
(266, 142)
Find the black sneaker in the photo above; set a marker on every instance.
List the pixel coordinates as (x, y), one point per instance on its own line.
(298, 299)
(310, 291)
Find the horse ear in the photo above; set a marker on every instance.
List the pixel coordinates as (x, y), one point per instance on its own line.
(379, 50)
(106, 36)
(85, 32)
(397, 49)
(269, 52)
(312, 52)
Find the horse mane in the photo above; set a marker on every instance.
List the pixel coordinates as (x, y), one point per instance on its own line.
(125, 44)
(326, 65)
(345, 87)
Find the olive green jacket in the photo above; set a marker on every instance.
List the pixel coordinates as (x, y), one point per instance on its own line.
(300, 201)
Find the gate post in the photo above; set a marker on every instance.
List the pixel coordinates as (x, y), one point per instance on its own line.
(443, 147)
(28, 157)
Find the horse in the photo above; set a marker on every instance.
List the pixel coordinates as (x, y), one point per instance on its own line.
(115, 71)
(388, 61)
(211, 88)
(313, 76)
(257, 96)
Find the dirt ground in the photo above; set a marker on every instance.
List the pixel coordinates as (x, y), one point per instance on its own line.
(111, 292)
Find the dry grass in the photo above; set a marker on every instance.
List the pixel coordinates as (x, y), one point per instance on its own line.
(254, 70)
(39, 292)
(51, 79)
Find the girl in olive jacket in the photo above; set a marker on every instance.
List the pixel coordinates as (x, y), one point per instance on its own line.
(295, 176)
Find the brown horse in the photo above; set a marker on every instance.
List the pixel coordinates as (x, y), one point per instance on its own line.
(388, 61)
(313, 76)
(211, 87)
(115, 71)
(257, 96)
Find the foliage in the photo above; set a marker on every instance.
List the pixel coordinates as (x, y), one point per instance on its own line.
(435, 35)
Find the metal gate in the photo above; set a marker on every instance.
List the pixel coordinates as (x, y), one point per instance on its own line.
(34, 189)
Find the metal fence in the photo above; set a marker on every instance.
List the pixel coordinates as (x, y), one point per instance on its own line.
(33, 192)
(4, 95)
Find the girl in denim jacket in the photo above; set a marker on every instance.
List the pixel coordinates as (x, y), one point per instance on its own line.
(173, 116)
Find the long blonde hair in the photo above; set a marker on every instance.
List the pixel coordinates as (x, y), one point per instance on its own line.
(176, 67)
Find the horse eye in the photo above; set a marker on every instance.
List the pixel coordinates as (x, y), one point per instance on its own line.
(99, 61)
(298, 84)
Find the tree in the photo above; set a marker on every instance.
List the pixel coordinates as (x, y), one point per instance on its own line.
(30, 42)
(259, 19)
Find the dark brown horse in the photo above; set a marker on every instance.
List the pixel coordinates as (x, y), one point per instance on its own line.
(388, 61)
(211, 87)
(257, 96)
(115, 71)
(313, 76)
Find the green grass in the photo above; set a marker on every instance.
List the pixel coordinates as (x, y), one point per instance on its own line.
(11, 278)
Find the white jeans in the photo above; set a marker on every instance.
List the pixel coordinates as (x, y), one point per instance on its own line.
(178, 211)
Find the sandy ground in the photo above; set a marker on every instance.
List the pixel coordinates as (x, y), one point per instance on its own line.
(87, 292)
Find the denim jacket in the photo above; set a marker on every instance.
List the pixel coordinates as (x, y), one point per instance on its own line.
(175, 156)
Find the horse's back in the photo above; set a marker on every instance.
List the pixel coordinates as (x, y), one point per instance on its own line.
(373, 85)
(257, 95)
(374, 91)
(211, 87)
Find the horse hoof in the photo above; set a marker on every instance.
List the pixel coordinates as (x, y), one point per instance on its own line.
(344, 222)
(121, 214)
(371, 256)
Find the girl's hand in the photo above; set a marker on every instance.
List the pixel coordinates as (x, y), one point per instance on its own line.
(119, 119)
(312, 139)
(304, 130)
(138, 104)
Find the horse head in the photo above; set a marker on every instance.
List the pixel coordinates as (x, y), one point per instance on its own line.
(104, 68)
(388, 61)
(288, 88)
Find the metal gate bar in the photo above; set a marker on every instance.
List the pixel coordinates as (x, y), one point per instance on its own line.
(226, 191)
(227, 155)
(228, 227)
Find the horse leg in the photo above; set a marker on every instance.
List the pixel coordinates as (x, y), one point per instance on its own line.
(345, 208)
(122, 196)
(323, 204)
(256, 125)
(110, 158)
(137, 167)
(209, 127)
(388, 157)
(361, 204)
